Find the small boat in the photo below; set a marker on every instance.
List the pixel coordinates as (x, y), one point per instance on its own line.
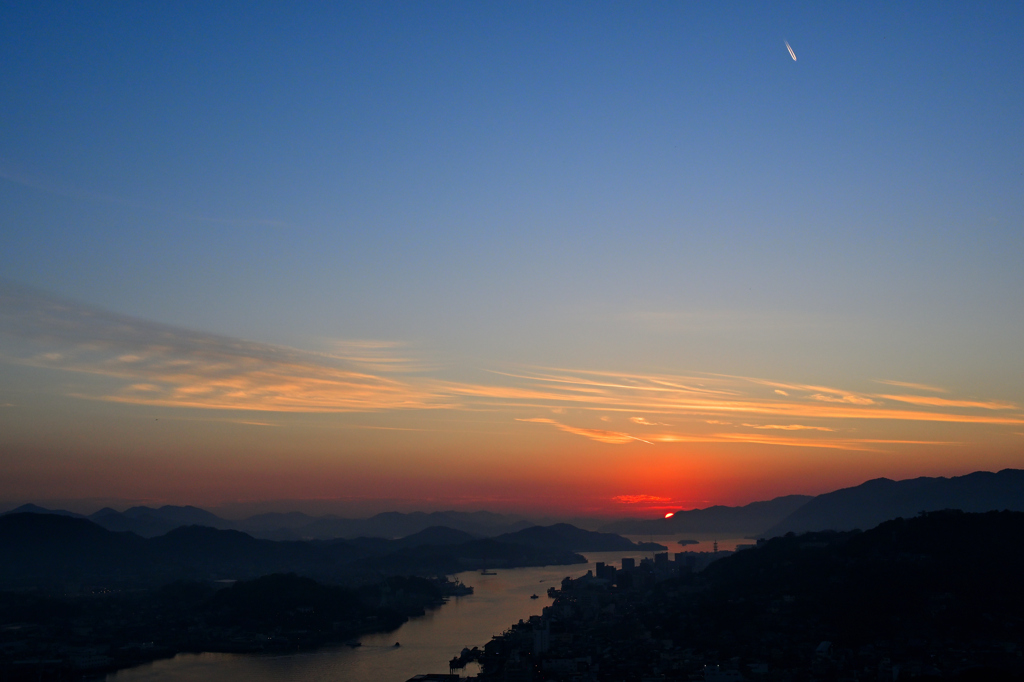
(533, 596)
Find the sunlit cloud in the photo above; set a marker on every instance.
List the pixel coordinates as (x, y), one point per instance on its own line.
(848, 398)
(173, 367)
(932, 401)
(908, 384)
(834, 444)
(601, 436)
(727, 395)
(637, 499)
(789, 427)
(643, 422)
(377, 356)
(146, 363)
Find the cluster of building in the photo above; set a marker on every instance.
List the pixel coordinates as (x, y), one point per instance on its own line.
(594, 631)
(655, 621)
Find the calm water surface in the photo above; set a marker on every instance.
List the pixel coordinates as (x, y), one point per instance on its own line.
(427, 643)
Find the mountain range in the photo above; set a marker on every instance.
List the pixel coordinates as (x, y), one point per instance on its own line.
(61, 552)
(870, 503)
(862, 506)
(151, 522)
(729, 521)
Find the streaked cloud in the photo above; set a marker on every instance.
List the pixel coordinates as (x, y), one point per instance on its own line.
(932, 401)
(643, 422)
(174, 367)
(601, 436)
(907, 384)
(848, 398)
(713, 396)
(789, 427)
(146, 363)
(637, 499)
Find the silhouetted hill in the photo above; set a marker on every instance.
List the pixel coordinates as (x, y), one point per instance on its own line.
(373, 547)
(942, 576)
(286, 600)
(275, 525)
(183, 516)
(399, 524)
(562, 536)
(36, 509)
(48, 550)
(42, 549)
(149, 522)
(937, 596)
(435, 535)
(56, 636)
(202, 552)
(881, 499)
(484, 553)
(738, 521)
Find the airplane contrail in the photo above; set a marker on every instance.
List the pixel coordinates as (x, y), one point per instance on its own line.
(791, 53)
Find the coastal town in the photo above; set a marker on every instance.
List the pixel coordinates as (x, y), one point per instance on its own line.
(888, 604)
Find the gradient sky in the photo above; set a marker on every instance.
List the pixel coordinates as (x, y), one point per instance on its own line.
(602, 258)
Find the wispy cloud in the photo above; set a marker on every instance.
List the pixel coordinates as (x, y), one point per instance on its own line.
(643, 422)
(908, 384)
(847, 398)
(147, 363)
(638, 499)
(708, 397)
(600, 435)
(789, 427)
(169, 366)
(932, 401)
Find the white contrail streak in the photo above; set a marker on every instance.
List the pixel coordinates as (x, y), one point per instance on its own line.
(791, 53)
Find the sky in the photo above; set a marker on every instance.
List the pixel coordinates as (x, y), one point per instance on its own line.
(545, 257)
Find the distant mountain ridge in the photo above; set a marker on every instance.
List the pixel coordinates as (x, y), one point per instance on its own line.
(746, 520)
(53, 551)
(151, 522)
(862, 506)
(573, 539)
(881, 499)
(36, 509)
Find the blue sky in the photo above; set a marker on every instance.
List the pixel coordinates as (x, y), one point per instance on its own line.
(485, 187)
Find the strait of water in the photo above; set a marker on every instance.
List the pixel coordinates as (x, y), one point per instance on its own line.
(427, 643)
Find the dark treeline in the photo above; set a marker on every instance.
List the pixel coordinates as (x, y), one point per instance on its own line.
(56, 638)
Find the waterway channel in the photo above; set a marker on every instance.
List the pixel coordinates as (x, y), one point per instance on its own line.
(426, 643)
